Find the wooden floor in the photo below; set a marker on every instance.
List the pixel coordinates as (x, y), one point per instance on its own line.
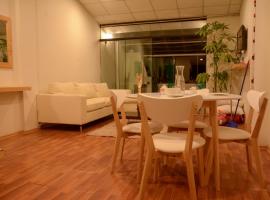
(61, 163)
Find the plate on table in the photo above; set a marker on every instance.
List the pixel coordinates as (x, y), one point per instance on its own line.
(176, 95)
(220, 94)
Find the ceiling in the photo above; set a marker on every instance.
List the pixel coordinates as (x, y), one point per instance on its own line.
(118, 11)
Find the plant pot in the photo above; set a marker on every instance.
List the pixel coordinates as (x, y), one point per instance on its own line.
(201, 85)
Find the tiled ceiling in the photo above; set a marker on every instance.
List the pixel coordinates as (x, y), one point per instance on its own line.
(117, 11)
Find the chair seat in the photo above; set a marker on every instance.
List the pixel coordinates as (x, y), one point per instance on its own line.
(185, 124)
(175, 142)
(227, 133)
(136, 127)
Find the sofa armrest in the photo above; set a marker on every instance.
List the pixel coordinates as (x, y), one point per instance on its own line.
(61, 108)
(121, 95)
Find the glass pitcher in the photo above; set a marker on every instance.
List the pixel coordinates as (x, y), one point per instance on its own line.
(179, 77)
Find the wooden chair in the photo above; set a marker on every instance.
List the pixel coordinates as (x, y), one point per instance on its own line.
(248, 136)
(170, 111)
(125, 130)
(200, 125)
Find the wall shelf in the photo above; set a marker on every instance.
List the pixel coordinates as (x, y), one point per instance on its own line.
(5, 89)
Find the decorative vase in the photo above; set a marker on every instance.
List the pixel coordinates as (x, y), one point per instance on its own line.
(179, 77)
(139, 82)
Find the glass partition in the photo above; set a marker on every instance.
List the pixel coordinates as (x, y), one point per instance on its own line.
(151, 50)
(122, 60)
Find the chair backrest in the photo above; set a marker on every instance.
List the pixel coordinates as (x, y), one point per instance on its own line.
(168, 111)
(121, 96)
(118, 122)
(257, 102)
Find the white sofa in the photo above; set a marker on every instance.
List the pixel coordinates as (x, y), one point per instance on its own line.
(74, 103)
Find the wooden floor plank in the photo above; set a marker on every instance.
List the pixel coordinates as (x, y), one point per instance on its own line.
(61, 163)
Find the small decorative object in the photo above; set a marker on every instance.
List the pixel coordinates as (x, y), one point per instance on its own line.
(139, 82)
(179, 77)
(192, 90)
(162, 89)
(202, 79)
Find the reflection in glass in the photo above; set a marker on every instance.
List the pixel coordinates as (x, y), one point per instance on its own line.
(150, 52)
(122, 61)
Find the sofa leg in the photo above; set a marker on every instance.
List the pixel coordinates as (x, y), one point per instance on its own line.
(81, 128)
(40, 125)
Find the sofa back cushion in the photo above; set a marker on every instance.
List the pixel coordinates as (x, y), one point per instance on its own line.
(102, 90)
(87, 89)
(61, 87)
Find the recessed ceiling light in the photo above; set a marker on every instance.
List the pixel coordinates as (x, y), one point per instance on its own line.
(201, 59)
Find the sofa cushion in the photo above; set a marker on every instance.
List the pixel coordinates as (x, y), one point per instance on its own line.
(102, 90)
(94, 104)
(61, 87)
(107, 101)
(87, 89)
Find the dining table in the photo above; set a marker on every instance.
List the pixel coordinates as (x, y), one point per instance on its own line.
(209, 101)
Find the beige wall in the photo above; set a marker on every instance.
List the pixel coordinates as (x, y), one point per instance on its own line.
(246, 18)
(68, 43)
(236, 76)
(262, 61)
(52, 41)
(11, 105)
(261, 67)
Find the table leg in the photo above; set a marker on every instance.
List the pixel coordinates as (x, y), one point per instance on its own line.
(140, 162)
(214, 124)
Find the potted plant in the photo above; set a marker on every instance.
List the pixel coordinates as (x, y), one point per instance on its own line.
(202, 79)
(220, 49)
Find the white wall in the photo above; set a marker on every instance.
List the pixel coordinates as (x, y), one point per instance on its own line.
(261, 69)
(246, 18)
(262, 61)
(68, 43)
(52, 41)
(11, 105)
(236, 76)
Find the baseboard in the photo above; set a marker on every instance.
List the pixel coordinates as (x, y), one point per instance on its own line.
(31, 131)
(19, 133)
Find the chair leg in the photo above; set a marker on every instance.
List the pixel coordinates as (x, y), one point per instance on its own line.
(122, 148)
(115, 154)
(258, 164)
(201, 166)
(207, 145)
(156, 168)
(140, 161)
(208, 162)
(81, 129)
(249, 157)
(146, 173)
(191, 180)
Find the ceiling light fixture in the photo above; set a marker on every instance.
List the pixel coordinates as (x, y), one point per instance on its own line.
(105, 35)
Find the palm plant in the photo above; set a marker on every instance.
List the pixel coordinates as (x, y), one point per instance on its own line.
(219, 49)
(202, 79)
